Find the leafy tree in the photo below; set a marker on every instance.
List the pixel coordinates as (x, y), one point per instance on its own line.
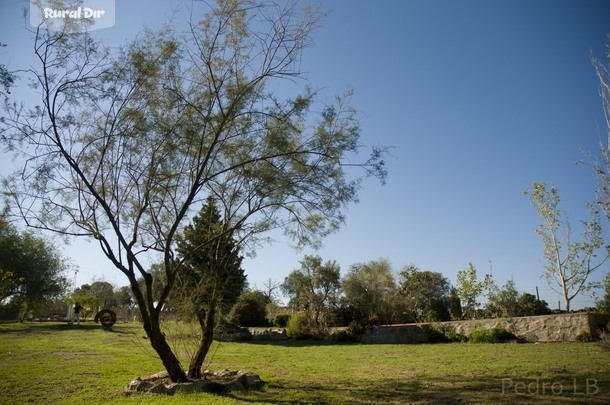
(125, 302)
(603, 304)
(314, 286)
(104, 292)
(31, 268)
(529, 305)
(568, 263)
(250, 309)
(470, 290)
(211, 278)
(455, 305)
(425, 294)
(506, 301)
(370, 290)
(90, 305)
(125, 143)
(503, 301)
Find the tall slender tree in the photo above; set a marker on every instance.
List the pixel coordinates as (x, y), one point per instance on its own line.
(212, 277)
(569, 263)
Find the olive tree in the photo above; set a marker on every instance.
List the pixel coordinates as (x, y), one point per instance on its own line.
(123, 145)
(425, 294)
(315, 286)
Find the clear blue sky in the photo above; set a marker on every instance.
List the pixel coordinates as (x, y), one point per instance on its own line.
(478, 98)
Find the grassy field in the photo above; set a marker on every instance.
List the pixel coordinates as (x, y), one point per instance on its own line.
(55, 363)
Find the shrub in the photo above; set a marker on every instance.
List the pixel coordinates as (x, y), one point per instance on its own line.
(585, 337)
(495, 335)
(453, 336)
(281, 321)
(435, 333)
(604, 341)
(358, 328)
(303, 326)
(344, 335)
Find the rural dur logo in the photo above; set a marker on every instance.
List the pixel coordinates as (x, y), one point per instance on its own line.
(72, 15)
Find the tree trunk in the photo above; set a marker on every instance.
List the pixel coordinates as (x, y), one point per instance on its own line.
(167, 356)
(207, 323)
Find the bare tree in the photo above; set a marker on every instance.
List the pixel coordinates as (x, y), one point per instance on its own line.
(124, 144)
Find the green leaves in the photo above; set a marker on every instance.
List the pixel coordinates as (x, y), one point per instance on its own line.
(568, 262)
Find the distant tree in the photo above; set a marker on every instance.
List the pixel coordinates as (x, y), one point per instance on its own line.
(369, 289)
(125, 302)
(315, 286)
(470, 289)
(529, 305)
(250, 309)
(211, 278)
(104, 292)
(32, 269)
(426, 294)
(503, 301)
(125, 142)
(89, 304)
(270, 288)
(568, 263)
(455, 305)
(603, 304)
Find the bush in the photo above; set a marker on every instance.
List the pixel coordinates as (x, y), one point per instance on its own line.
(453, 336)
(435, 333)
(358, 328)
(604, 341)
(303, 326)
(495, 335)
(587, 337)
(344, 335)
(281, 321)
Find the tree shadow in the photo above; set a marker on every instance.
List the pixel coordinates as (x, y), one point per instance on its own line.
(299, 343)
(29, 328)
(421, 391)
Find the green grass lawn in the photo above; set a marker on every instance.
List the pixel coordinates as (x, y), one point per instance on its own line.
(56, 363)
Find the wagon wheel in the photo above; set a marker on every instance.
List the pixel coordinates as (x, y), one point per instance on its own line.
(106, 317)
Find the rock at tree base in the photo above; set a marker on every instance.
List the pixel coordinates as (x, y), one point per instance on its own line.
(218, 381)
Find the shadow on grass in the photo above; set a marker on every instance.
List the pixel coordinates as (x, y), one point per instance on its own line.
(51, 327)
(421, 391)
(298, 343)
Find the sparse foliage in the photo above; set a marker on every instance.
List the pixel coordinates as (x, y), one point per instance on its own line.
(603, 304)
(470, 289)
(569, 263)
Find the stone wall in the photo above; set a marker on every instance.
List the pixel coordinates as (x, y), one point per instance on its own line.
(545, 328)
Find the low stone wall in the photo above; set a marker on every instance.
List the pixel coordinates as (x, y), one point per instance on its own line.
(545, 328)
